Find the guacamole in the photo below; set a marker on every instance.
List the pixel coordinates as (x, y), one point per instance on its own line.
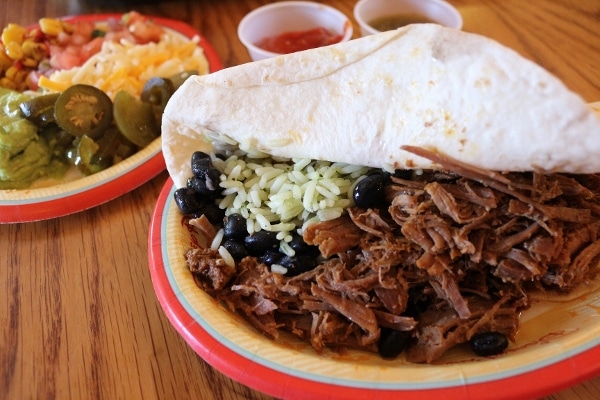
(25, 154)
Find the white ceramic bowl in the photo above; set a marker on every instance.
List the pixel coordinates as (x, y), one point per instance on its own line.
(289, 16)
(438, 11)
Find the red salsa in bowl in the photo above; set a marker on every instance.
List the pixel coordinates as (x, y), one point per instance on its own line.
(290, 42)
(290, 26)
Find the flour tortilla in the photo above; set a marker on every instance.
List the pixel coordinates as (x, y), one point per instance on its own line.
(358, 102)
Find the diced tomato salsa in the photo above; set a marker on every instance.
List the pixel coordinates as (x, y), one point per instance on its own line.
(290, 42)
(62, 45)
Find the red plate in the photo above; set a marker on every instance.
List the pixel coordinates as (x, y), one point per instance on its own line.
(81, 194)
(558, 344)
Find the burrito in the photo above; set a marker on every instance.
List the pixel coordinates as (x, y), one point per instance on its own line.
(464, 178)
(358, 102)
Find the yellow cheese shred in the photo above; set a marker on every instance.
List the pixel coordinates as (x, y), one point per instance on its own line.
(127, 66)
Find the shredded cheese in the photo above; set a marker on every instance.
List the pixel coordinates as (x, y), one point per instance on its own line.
(127, 66)
(52, 86)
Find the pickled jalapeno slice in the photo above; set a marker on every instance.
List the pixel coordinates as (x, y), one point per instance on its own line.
(40, 109)
(135, 119)
(157, 92)
(83, 153)
(83, 110)
(112, 148)
(181, 77)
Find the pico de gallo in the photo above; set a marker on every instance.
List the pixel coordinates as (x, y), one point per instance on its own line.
(50, 125)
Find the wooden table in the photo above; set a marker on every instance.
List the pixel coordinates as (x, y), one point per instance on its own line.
(78, 315)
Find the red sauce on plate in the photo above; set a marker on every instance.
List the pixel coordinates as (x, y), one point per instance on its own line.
(290, 42)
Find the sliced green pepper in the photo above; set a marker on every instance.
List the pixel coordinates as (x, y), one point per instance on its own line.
(82, 155)
(113, 148)
(135, 119)
(181, 77)
(83, 110)
(157, 92)
(40, 109)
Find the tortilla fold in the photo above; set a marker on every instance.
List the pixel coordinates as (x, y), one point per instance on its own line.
(360, 101)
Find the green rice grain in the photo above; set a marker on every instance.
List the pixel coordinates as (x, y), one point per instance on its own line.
(282, 195)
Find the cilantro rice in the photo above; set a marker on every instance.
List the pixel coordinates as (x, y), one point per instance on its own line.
(281, 195)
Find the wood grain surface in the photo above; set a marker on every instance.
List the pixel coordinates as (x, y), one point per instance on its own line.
(78, 315)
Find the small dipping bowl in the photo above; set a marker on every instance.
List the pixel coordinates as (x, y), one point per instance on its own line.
(374, 16)
(285, 17)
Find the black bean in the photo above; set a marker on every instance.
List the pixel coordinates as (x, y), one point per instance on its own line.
(235, 227)
(199, 155)
(391, 342)
(418, 301)
(488, 343)
(197, 184)
(369, 192)
(205, 186)
(271, 257)
(236, 249)
(404, 173)
(301, 247)
(187, 201)
(200, 163)
(259, 242)
(213, 178)
(298, 264)
(212, 212)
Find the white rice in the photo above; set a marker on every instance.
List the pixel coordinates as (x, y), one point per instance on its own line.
(278, 269)
(280, 195)
(216, 242)
(226, 255)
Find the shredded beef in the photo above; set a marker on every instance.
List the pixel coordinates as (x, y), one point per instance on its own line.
(204, 227)
(455, 253)
(335, 236)
(441, 328)
(211, 272)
